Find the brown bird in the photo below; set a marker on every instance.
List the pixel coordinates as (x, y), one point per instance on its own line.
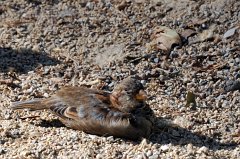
(122, 113)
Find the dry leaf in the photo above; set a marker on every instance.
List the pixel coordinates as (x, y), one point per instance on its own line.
(191, 100)
(89, 83)
(15, 23)
(188, 32)
(205, 35)
(196, 21)
(163, 38)
(211, 67)
(122, 5)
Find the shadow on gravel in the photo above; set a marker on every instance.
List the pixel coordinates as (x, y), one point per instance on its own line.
(23, 60)
(53, 123)
(181, 136)
(169, 134)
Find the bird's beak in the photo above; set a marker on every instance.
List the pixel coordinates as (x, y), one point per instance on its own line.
(141, 96)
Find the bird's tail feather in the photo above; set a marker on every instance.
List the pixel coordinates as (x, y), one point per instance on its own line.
(34, 104)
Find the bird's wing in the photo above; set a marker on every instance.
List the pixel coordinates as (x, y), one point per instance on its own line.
(92, 109)
(75, 96)
(73, 102)
(63, 111)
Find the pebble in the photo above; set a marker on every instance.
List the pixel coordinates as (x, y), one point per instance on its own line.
(203, 149)
(99, 156)
(164, 148)
(232, 85)
(149, 153)
(46, 95)
(230, 33)
(154, 157)
(2, 151)
(143, 82)
(156, 60)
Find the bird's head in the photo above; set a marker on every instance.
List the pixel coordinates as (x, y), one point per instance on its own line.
(129, 95)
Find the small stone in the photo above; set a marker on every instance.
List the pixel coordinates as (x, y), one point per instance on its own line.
(93, 137)
(237, 60)
(164, 148)
(189, 147)
(99, 156)
(225, 104)
(25, 153)
(2, 141)
(175, 133)
(46, 95)
(232, 85)
(139, 1)
(149, 153)
(111, 84)
(139, 156)
(90, 6)
(229, 33)
(203, 149)
(2, 151)
(155, 156)
(143, 82)
(156, 60)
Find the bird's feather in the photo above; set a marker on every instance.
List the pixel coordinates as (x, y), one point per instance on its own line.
(34, 104)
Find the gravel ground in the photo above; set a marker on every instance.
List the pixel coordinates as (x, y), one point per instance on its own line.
(46, 44)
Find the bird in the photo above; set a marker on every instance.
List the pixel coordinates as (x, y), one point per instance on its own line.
(121, 113)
